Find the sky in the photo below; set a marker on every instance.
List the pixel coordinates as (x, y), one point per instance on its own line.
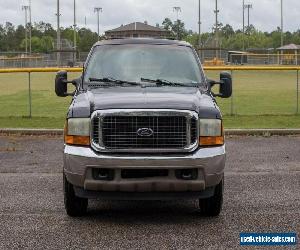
(265, 14)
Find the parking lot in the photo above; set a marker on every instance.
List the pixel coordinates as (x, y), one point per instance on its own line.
(262, 194)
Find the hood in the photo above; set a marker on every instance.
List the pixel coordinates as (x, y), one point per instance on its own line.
(179, 98)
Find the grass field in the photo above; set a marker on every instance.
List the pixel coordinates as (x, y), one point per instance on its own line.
(261, 100)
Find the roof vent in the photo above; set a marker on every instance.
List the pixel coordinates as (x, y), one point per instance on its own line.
(146, 22)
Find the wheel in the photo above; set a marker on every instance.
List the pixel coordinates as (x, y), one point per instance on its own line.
(75, 206)
(212, 206)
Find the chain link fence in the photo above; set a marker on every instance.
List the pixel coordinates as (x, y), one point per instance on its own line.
(68, 59)
(42, 60)
(256, 91)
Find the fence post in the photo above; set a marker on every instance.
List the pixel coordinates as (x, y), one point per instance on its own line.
(297, 104)
(231, 99)
(29, 94)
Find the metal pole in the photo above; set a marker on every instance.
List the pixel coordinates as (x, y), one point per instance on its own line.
(25, 8)
(58, 34)
(217, 29)
(26, 42)
(30, 48)
(75, 45)
(243, 25)
(248, 7)
(281, 3)
(200, 42)
(29, 95)
(98, 10)
(177, 10)
(231, 99)
(248, 17)
(177, 27)
(297, 109)
(98, 17)
(248, 26)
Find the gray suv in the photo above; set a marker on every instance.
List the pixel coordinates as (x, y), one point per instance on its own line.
(143, 124)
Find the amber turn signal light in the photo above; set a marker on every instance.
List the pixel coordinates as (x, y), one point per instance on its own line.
(77, 140)
(211, 140)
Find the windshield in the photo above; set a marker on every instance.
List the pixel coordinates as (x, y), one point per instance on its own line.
(132, 63)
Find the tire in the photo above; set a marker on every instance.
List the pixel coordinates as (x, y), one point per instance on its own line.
(75, 206)
(212, 206)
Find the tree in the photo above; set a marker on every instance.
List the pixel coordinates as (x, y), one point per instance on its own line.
(45, 29)
(276, 38)
(9, 41)
(177, 28)
(35, 44)
(234, 42)
(46, 44)
(67, 33)
(19, 35)
(227, 31)
(13, 38)
(296, 37)
(250, 30)
(194, 38)
(2, 37)
(86, 39)
(167, 24)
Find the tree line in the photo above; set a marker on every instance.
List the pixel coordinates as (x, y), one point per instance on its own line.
(12, 38)
(231, 39)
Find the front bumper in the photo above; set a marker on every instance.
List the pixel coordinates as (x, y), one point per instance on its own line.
(79, 162)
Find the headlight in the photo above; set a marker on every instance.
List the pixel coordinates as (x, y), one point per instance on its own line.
(77, 131)
(211, 132)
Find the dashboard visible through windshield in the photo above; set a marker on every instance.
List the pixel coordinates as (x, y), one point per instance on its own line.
(135, 62)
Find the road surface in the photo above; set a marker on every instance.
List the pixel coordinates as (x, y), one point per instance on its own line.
(262, 194)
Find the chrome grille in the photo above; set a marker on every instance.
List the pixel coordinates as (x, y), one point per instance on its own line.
(194, 130)
(95, 125)
(118, 131)
(121, 132)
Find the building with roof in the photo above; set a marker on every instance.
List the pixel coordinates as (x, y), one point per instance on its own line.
(137, 29)
(289, 54)
(289, 47)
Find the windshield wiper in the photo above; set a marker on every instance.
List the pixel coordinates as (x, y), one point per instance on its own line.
(112, 80)
(163, 82)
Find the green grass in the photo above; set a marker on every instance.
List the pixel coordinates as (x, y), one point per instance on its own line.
(45, 103)
(261, 92)
(265, 121)
(260, 100)
(35, 122)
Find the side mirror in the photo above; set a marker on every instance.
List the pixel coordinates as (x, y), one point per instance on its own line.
(225, 83)
(61, 84)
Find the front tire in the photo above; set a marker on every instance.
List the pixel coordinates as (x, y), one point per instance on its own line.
(74, 205)
(212, 206)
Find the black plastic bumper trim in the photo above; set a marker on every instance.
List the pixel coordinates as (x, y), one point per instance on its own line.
(80, 192)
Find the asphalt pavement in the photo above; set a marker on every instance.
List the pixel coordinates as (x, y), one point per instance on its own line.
(262, 194)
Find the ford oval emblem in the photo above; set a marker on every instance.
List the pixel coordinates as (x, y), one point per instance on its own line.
(145, 132)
